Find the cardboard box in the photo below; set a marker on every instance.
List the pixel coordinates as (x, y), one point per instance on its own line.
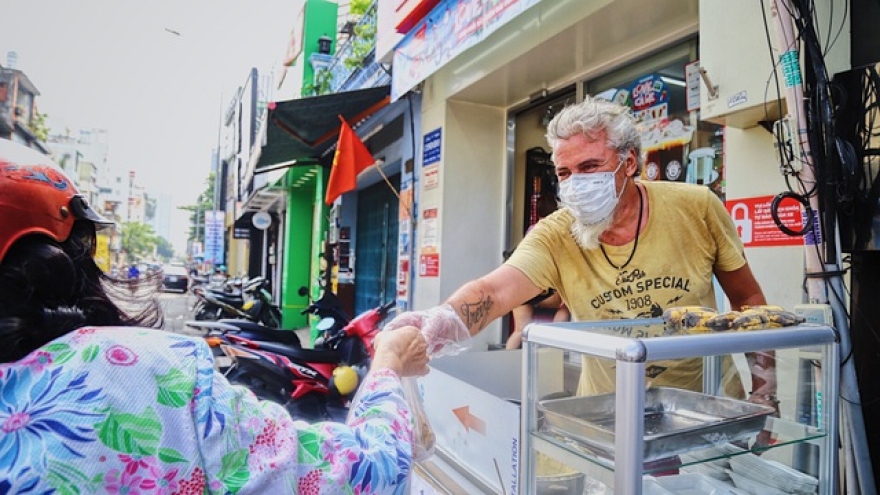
(472, 404)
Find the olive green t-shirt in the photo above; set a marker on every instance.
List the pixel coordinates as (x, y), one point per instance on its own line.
(688, 236)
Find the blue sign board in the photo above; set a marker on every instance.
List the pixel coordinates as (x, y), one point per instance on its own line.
(214, 233)
(431, 148)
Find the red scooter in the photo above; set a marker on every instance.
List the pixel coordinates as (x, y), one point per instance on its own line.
(314, 384)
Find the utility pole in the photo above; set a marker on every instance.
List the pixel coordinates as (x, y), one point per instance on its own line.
(824, 276)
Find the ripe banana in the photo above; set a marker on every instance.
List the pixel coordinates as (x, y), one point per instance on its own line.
(754, 318)
(723, 322)
(777, 316)
(691, 319)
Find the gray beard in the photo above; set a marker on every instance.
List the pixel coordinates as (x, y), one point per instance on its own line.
(587, 236)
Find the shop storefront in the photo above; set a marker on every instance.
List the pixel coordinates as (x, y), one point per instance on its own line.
(287, 182)
(484, 163)
(490, 109)
(370, 228)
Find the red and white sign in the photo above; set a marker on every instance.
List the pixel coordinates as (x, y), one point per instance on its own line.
(755, 225)
(408, 13)
(403, 278)
(429, 265)
(431, 177)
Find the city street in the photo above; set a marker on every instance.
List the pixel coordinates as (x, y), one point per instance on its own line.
(177, 311)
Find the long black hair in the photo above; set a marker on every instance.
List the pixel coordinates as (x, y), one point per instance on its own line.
(48, 289)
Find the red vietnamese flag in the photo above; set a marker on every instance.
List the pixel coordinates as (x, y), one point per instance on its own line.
(351, 158)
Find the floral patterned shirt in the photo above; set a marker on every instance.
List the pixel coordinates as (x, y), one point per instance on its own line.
(133, 410)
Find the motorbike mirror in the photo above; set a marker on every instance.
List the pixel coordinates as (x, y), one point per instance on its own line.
(325, 324)
(254, 284)
(303, 291)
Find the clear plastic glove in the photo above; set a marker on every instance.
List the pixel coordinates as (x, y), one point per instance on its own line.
(404, 351)
(444, 331)
(446, 335)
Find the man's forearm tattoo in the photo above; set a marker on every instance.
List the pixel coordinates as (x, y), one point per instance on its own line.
(477, 312)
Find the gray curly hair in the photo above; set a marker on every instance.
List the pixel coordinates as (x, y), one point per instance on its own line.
(592, 116)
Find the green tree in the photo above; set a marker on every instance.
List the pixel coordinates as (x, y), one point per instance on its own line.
(164, 249)
(39, 127)
(322, 84)
(359, 7)
(205, 202)
(138, 240)
(362, 44)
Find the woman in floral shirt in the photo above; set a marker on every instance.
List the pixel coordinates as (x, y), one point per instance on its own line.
(91, 402)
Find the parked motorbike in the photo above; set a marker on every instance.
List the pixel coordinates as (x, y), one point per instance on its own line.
(314, 384)
(328, 308)
(217, 333)
(331, 317)
(253, 302)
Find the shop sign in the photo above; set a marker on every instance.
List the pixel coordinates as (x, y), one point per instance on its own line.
(692, 85)
(214, 248)
(261, 220)
(431, 177)
(431, 147)
(648, 97)
(429, 265)
(450, 29)
(403, 278)
(241, 233)
(755, 225)
(407, 13)
(406, 201)
(429, 230)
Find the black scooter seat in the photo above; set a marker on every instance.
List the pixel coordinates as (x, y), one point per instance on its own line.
(255, 331)
(308, 355)
(230, 299)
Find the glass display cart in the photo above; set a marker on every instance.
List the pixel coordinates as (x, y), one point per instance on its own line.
(652, 439)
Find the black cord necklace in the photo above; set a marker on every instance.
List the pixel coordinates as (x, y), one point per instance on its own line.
(635, 244)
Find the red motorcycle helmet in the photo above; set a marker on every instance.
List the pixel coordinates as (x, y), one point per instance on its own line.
(37, 197)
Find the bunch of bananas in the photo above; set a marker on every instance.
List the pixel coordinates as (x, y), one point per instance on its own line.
(754, 318)
(699, 319)
(689, 319)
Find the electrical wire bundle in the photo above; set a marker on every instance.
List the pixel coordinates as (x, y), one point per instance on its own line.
(865, 181)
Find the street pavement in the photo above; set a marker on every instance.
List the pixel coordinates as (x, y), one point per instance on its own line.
(177, 311)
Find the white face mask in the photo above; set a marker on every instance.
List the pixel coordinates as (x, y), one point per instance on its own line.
(591, 197)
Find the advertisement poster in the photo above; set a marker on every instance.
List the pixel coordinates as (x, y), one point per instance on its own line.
(447, 31)
(756, 227)
(429, 265)
(431, 176)
(403, 278)
(214, 248)
(406, 200)
(429, 230)
(692, 81)
(649, 99)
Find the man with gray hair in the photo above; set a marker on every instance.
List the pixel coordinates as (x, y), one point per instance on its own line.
(618, 248)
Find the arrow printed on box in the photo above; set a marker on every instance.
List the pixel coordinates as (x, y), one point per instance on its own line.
(469, 421)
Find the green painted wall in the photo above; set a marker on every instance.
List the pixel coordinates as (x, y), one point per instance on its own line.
(319, 233)
(306, 216)
(306, 226)
(319, 20)
(297, 252)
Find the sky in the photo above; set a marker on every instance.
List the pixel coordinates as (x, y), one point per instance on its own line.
(157, 75)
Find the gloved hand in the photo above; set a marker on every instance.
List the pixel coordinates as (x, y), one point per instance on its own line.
(444, 331)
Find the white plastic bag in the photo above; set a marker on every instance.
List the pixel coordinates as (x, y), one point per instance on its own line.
(423, 434)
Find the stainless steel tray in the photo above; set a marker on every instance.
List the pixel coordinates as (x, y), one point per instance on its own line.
(676, 421)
